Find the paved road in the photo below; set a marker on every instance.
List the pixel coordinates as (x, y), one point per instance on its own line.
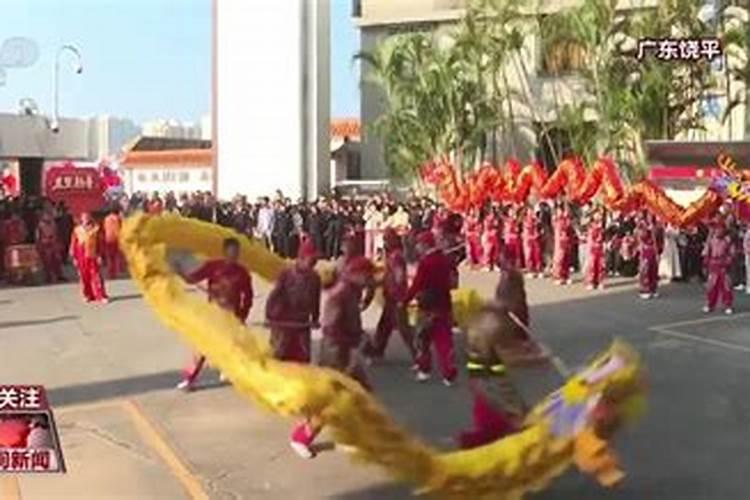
(110, 371)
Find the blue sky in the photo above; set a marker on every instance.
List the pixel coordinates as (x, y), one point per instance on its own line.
(142, 59)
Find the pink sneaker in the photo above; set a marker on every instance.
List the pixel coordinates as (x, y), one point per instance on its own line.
(301, 440)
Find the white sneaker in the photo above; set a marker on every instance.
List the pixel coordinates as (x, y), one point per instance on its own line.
(423, 377)
(569, 282)
(223, 378)
(559, 282)
(302, 450)
(655, 295)
(600, 286)
(447, 383)
(184, 386)
(645, 296)
(590, 287)
(706, 309)
(747, 291)
(739, 287)
(728, 311)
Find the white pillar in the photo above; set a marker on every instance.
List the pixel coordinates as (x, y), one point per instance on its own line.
(271, 97)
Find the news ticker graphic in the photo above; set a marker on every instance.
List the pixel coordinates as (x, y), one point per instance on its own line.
(28, 435)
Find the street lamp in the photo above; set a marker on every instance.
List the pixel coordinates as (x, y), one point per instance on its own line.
(77, 66)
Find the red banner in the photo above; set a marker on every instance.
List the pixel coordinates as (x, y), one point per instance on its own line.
(81, 189)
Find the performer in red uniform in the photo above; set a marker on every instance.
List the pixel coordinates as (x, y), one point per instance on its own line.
(112, 256)
(490, 242)
(349, 252)
(717, 257)
(14, 231)
(561, 258)
(595, 271)
(432, 288)
(395, 284)
(472, 232)
(48, 247)
(86, 254)
(293, 307)
(342, 337)
(532, 245)
(512, 241)
(229, 287)
(648, 264)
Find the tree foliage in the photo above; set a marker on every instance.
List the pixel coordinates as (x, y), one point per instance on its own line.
(448, 91)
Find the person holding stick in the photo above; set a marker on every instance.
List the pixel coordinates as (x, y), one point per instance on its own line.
(293, 307)
(229, 287)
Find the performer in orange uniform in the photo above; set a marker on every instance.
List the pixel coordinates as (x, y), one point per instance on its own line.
(112, 255)
(229, 287)
(85, 252)
(432, 288)
(342, 336)
(395, 283)
(293, 307)
(48, 247)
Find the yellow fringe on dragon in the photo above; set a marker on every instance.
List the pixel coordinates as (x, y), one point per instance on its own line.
(506, 469)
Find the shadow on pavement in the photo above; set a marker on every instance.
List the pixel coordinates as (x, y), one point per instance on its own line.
(117, 388)
(36, 322)
(124, 298)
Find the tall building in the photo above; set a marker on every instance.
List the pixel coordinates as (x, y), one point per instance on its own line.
(206, 127)
(380, 19)
(271, 93)
(108, 135)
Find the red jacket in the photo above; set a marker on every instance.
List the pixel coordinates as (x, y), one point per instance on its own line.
(229, 286)
(433, 283)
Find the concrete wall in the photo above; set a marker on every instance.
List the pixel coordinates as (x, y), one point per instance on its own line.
(375, 12)
(270, 100)
(30, 136)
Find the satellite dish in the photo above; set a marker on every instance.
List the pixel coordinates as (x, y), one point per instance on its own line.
(18, 52)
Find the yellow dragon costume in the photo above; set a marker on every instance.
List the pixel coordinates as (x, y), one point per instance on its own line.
(559, 432)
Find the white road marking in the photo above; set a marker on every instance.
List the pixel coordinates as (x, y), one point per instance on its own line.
(701, 340)
(709, 319)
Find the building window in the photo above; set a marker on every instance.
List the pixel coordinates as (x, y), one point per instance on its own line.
(356, 8)
(170, 176)
(184, 177)
(205, 176)
(154, 176)
(142, 177)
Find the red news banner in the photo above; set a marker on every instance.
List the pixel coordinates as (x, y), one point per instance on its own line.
(28, 435)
